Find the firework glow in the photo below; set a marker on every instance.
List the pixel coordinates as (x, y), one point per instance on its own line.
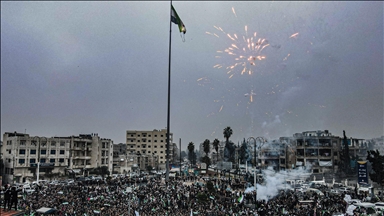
(246, 50)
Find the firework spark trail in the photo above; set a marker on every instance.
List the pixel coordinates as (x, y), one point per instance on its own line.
(233, 10)
(294, 35)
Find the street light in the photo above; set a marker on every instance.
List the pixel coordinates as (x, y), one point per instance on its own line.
(262, 141)
(38, 154)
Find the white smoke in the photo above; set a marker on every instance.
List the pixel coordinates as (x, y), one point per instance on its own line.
(271, 124)
(275, 181)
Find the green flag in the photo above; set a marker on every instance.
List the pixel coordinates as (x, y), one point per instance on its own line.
(176, 19)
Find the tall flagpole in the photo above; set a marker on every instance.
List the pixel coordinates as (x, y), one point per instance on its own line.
(169, 92)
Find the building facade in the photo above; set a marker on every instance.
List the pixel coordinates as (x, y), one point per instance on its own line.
(57, 155)
(317, 150)
(89, 151)
(148, 143)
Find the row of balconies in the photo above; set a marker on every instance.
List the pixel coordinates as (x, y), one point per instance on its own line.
(314, 155)
(80, 166)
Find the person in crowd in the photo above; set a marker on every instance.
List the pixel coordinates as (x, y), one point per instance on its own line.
(7, 197)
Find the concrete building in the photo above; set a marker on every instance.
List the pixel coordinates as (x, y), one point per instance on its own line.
(144, 144)
(317, 150)
(287, 155)
(89, 151)
(57, 155)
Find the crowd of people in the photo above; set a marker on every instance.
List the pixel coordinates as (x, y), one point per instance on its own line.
(178, 196)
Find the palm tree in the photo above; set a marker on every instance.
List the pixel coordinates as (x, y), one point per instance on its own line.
(206, 146)
(215, 144)
(227, 134)
(191, 149)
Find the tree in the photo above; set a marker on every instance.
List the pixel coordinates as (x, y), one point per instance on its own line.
(183, 154)
(377, 163)
(191, 151)
(243, 154)
(215, 144)
(206, 160)
(149, 168)
(206, 146)
(227, 134)
(103, 171)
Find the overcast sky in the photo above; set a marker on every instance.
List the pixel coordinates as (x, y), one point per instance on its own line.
(69, 68)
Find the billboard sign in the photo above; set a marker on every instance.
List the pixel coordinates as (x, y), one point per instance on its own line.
(362, 172)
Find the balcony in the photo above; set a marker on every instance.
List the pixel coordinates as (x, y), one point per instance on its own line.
(82, 157)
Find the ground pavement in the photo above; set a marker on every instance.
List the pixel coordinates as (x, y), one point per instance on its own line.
(10, 213)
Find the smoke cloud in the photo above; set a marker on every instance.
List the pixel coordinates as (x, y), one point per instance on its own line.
(276, 180)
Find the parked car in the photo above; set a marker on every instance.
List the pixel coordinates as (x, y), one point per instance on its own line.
(368, 208)
(344, 190)
(29, 190)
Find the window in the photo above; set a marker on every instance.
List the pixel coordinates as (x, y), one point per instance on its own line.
(155, 147)
(61, 151)
(53, 152)
(161, 157)
(161, 140)
(43, 152)
(32, 160)
(102, 161)
(161, 146)
(161, 152)
(21, 161)
(42, 160)
(33, 151)
(149, 151)
(149, 146)
(22, 151)
(61, 160)
(155, 135)
(22, 142)
(155, 140)
(52, 160)
(149, 135)
(53, 143)
(162, 135)
(62, 143)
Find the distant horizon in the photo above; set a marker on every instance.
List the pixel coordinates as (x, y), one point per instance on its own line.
(333, 135)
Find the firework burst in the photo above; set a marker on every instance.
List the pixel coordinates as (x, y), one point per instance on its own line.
(246, 50)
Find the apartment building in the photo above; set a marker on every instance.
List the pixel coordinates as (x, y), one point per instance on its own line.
(287, 155)
(317, 150)
(147, 143)
(57, 155)
(89, 151)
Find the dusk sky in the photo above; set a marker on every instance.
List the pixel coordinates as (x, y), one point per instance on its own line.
(70, 68)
